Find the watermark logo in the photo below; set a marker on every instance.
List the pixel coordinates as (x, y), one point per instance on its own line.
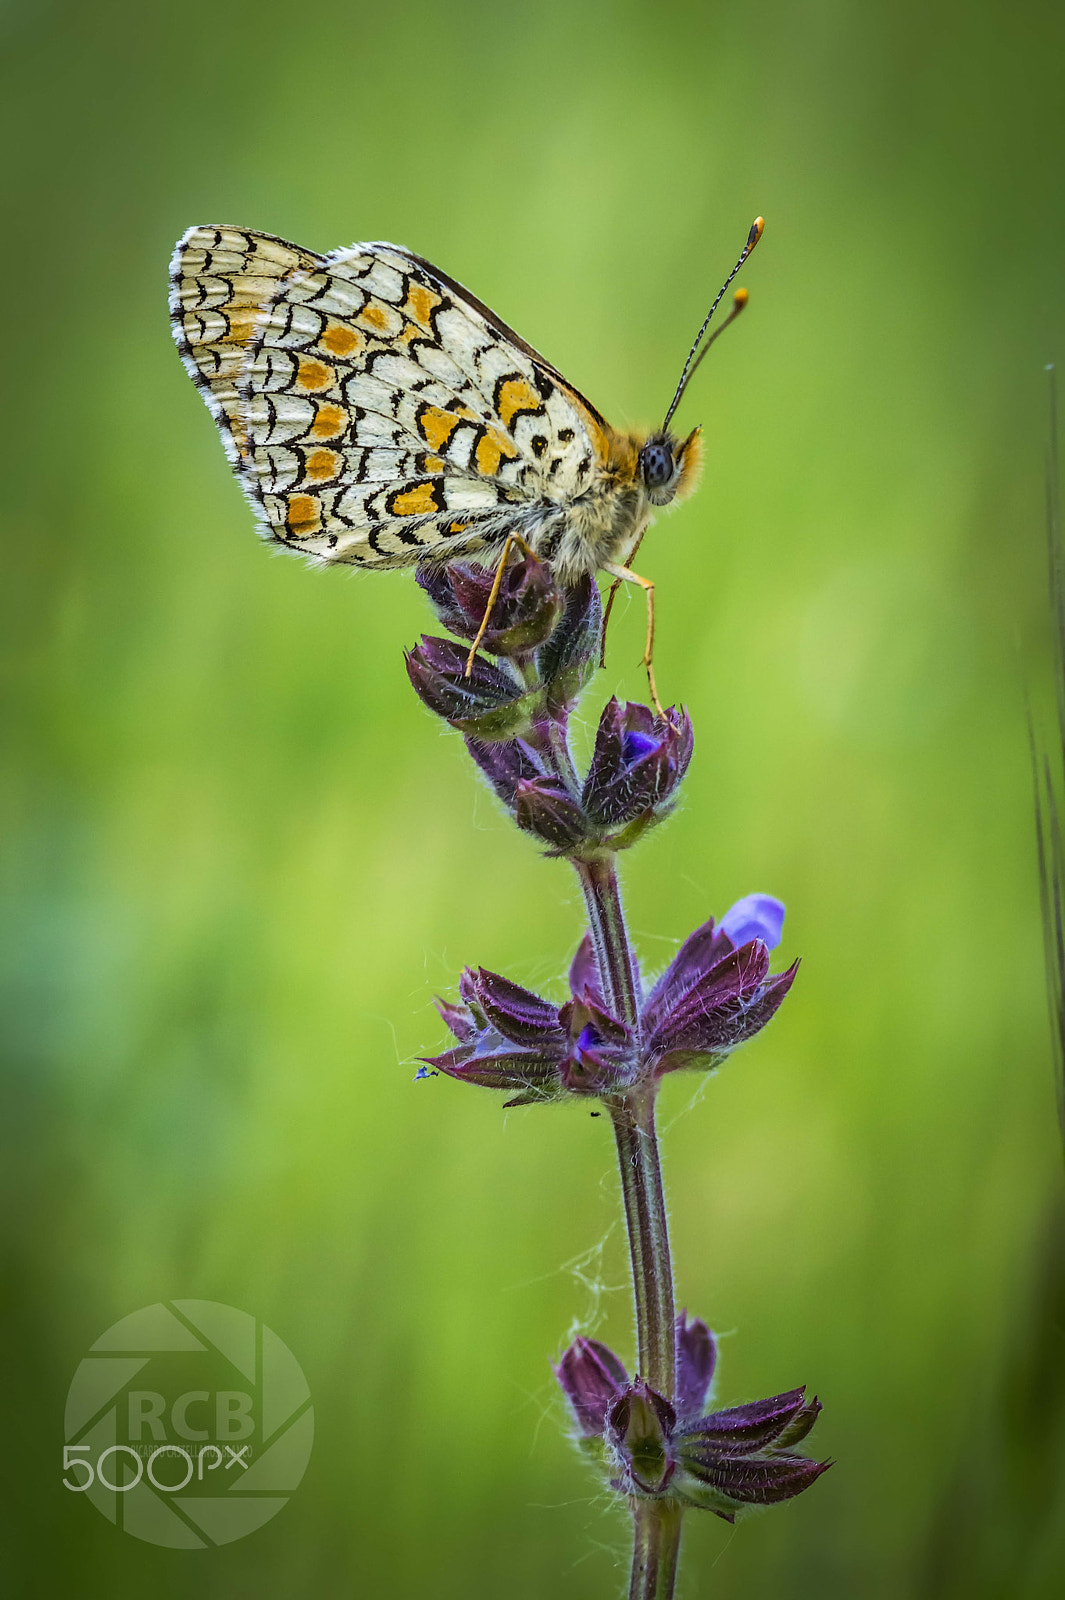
(188, 1425)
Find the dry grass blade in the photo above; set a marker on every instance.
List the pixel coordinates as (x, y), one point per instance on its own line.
(1048, 772)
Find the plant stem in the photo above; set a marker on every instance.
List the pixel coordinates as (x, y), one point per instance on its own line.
(557, 738)
(655, 1549)
(606, 921)
(656, 1523)
(633, 1116)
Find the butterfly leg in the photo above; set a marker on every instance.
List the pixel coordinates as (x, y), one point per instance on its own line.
(611, 597)
(624, 575)
(497, 583)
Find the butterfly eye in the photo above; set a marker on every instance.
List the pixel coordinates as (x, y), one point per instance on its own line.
(656, 464)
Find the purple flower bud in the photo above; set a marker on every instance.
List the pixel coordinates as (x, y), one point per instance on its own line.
(545, 807)
(696, 1359)
(518, 1014)
(539, 798)
(526, 1074)
(700, 951)
(740, 1456)
(639, 1429)
(739, 1481)
(584, 974)
(713, 996)
(459, 1019)
(745, 1428)
(590, 1026)
(505, 763)
(638, 763)
(756, 916)
(591, 1377)
(723, 1009)
(570, 656)
(602, 1056)
(530, 617)
(725, 1462)
(800, 1425)
(489, 704)
(468, 992)
(510, 1038)
(710, 999)
(524, 614)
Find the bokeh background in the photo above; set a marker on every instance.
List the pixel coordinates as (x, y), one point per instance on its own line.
(239, 858)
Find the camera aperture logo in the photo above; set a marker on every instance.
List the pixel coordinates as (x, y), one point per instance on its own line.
(188, 1425)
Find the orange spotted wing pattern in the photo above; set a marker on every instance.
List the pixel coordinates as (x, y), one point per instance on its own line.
(376, 413)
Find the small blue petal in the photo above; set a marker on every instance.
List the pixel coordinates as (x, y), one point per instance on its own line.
(590, 1037)
(756, 916)
(424, 1072)
(636, 745)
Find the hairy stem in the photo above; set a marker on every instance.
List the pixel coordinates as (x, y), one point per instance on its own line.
(606, 922)
(633, 1116)
(557, 737)
(655, 1549)
(656, 1523)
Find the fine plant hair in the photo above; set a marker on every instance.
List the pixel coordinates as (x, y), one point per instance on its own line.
(645, 1426)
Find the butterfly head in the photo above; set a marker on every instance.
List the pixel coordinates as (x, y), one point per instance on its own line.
(668, 466)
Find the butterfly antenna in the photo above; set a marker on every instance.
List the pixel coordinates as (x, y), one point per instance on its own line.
(691, 363)
(739, 301)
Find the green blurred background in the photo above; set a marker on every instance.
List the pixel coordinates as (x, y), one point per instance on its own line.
(240, 858)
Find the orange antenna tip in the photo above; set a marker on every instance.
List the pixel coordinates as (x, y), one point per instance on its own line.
(739, 300)
(757, 229)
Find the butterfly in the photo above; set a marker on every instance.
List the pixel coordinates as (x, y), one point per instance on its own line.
(377, 414)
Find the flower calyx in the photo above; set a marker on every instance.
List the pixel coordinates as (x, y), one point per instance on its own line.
(714, 995)
(513, 698)
(637, 767)
(544, 640)
(724, 1461)
(510, 1038)
(639, 762)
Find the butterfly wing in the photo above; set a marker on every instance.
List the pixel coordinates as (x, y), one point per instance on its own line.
(219, 280)
(384, 416)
